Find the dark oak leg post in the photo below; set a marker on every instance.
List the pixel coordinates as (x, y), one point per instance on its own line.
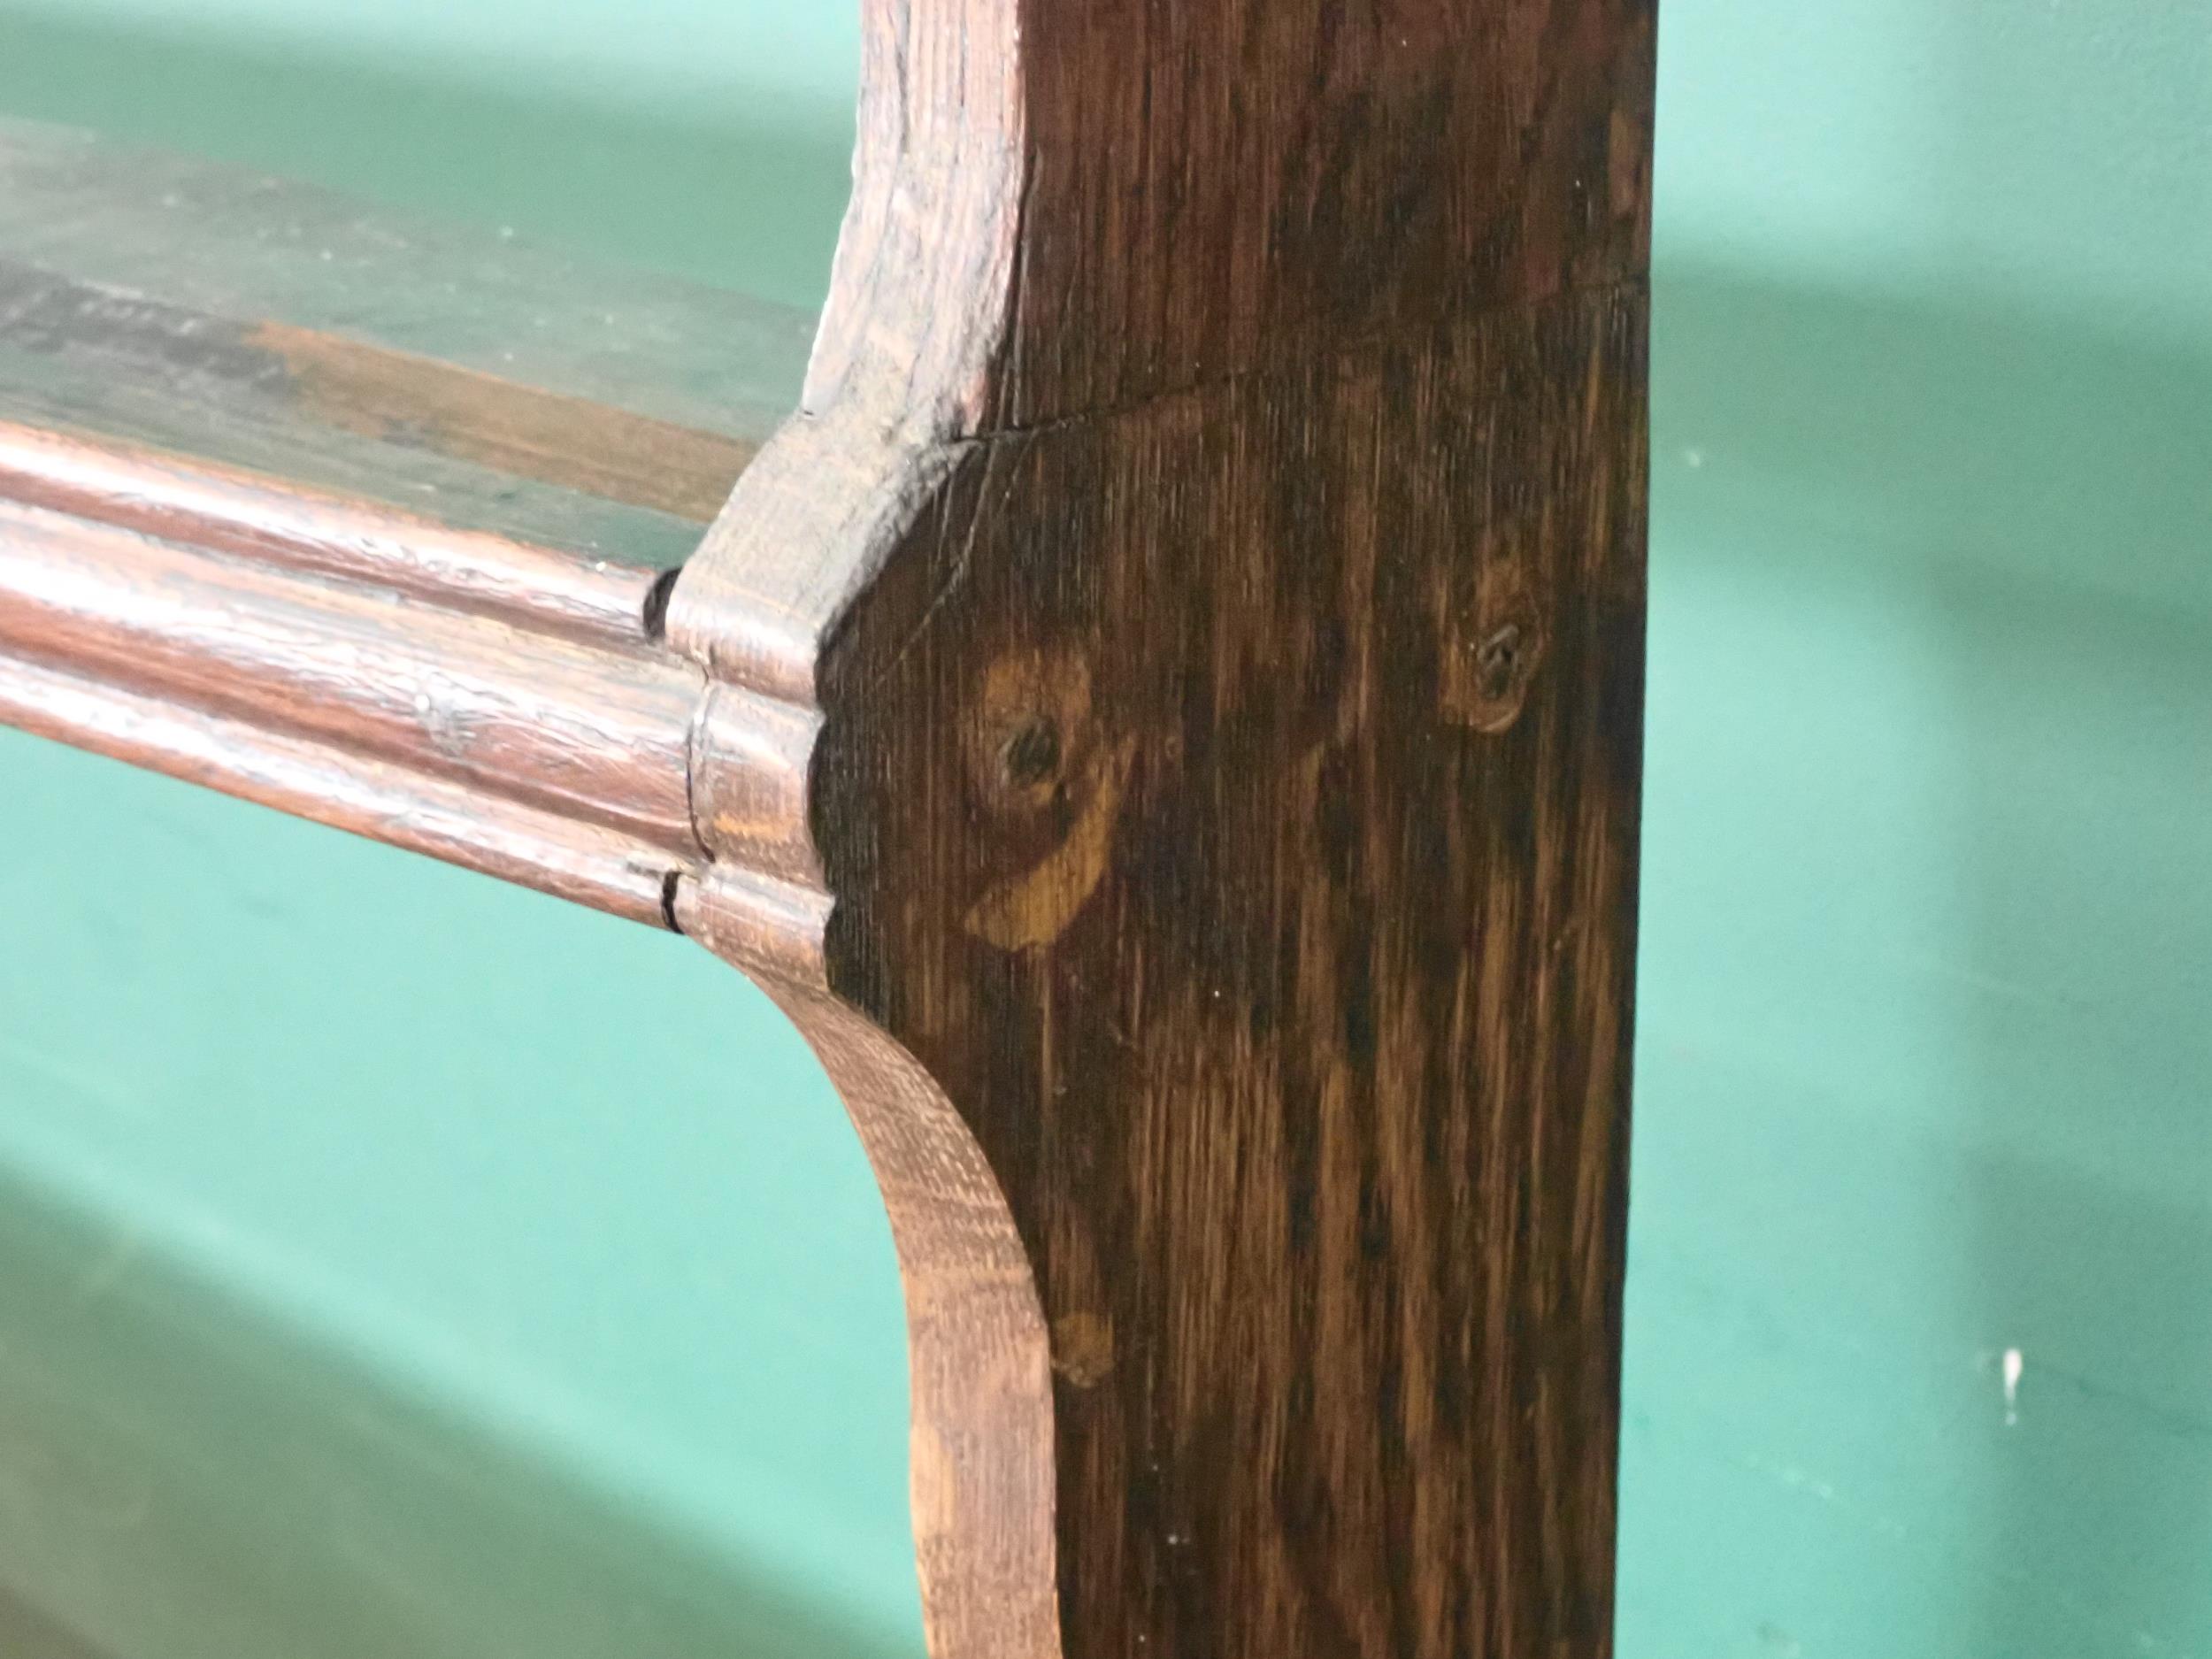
(1214, 549)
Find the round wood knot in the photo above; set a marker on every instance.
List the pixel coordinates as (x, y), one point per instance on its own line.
(1498, 661)
(1029, 733)
(1049, 784)
(1083, 1349)
(1496, 646)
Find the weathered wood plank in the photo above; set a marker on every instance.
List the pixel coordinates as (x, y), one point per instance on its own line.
(478, 829)
(465, 376)
(371, 521)
(280, 523)
(227, 243)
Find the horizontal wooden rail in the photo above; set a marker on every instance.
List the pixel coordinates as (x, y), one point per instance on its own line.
(491, 834)
(493, 711)
(230, 511)
(278, 516)
(505, 707)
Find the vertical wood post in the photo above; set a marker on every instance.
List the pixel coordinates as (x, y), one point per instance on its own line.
(1210, 573)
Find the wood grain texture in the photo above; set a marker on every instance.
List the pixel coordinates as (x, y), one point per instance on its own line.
(593, 733)
(281, 523)
(566, 442)
(419, 719)
(1213, 544)
(325, 409)
(228, 243)
(370, 520)
(1162, 718)
(478, 829)
(1283, 985)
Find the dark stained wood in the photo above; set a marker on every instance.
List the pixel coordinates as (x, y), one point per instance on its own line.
(1286, 991)
(1213, 543)
(1163, 718)
(1235, 187)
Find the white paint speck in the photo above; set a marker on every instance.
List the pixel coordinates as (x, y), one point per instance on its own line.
(2014, 1364)
(1693, 458)
(422, 702)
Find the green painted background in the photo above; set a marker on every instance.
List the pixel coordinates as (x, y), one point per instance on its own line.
(340, 1236)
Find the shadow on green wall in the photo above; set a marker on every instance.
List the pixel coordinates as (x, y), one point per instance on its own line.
(1926, 1060)
(210, 1483)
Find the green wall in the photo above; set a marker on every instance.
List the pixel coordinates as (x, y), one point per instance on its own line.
(1926, 1037)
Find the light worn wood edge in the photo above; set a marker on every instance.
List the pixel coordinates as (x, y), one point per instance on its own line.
(594, 733)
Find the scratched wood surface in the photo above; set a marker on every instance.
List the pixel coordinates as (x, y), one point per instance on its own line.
(455, 372)
(1214, 545)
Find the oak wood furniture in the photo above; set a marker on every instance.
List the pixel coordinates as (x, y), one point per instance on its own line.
(1162, 717)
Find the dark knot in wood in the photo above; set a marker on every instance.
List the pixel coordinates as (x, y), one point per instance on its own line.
(1032, 755)
(1498, 661)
